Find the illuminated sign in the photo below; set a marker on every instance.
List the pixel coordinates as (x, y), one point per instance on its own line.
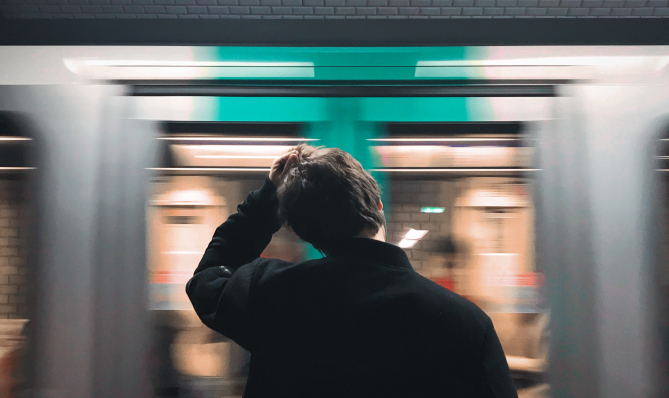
(432, 210)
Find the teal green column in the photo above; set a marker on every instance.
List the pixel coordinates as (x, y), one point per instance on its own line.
(344, 128)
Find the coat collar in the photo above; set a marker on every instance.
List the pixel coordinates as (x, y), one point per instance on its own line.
(377, 251)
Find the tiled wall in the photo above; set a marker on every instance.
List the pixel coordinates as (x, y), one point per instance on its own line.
(14, 288)
(332, 9)
(407, 199)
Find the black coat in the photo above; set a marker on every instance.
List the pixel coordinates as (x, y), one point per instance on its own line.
(357, 323)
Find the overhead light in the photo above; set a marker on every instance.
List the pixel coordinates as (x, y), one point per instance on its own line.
(411, 238)
(551, 67)
(234, 157)
(207, 169)
(226, 155)
(432, 210)
(156, 70)
(543, 61)
(459, 139)
(268, 139)
(449, 170)
(10, 138)
(191, 64)
(407, 243)
(414, 234)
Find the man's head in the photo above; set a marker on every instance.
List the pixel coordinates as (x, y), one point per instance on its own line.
(326, 196)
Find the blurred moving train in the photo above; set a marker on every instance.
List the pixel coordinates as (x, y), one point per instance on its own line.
(530, 180)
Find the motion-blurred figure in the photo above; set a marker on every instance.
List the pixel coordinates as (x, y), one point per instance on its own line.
(166, 378)
(443, 262)
(359, 322)
(13, 353)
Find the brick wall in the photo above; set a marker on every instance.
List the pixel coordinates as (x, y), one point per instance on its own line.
(333, 9)
(407, 199)
(14, 286)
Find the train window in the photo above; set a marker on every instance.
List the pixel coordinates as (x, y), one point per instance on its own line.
(206, 172)
(16, 282)
(458, 202)
(462, 211)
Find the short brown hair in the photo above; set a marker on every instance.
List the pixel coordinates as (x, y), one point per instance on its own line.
(328, 197)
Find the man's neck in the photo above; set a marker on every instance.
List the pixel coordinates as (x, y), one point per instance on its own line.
(380, 235)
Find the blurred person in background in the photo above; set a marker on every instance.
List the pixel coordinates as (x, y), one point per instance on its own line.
(442, 263)
(359, 322)
(167, 380)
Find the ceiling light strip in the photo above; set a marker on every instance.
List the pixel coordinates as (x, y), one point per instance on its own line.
(260, 139)
(209, 169)
(194, 64)
(440, 139)
(235, 157)
(448, 170)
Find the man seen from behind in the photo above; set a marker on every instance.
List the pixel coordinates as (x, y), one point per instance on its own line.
(359, 322)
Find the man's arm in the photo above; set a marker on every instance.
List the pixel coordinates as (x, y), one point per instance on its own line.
(221, 285)
(495, 366)
(245, 234)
